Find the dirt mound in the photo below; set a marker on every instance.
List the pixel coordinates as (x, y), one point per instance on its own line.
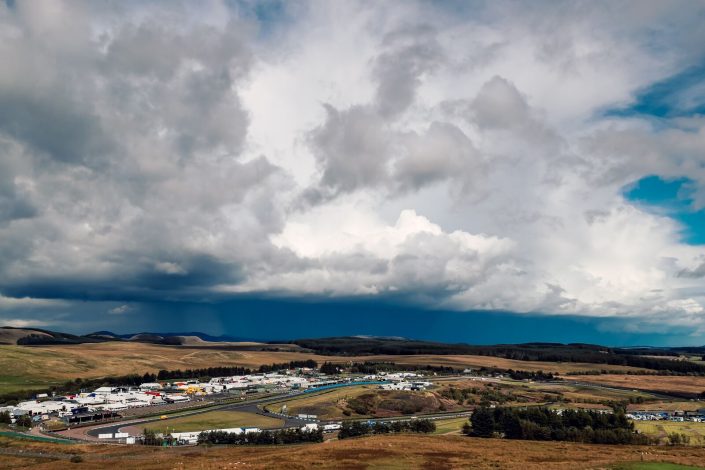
(394, 403)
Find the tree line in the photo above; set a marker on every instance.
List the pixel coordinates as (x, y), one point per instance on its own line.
(360, 428)
(283, 436)
(548, 352)
(210, 372)
(544, 424)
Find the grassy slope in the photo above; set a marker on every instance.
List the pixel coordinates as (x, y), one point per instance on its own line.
(45, 365)
(686, 384)
(323, 404)
(661, 429)
(388, 452)
(654, 466)
(450, 426)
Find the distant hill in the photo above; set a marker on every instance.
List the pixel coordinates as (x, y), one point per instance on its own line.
(9, 335)
(660, 359)
(652, 358)
(196, 334)
(151, 337)
(36, 336)
(30, 336)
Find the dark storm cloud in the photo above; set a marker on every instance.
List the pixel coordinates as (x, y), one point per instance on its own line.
(121, 137)
(15, 201)
(408, 54)
(184, 276)
(54, 127)
(696, 273)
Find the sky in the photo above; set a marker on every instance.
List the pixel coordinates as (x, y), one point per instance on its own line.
(462, 171)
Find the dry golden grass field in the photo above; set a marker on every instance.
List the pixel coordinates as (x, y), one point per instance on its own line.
(692, 405)
(378, 452)
(37, 366)
(648, 382)
(23, 366)
(461, 361)
(661, 429)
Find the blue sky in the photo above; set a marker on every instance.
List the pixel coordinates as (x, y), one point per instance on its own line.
(271, 319)
(481, 172)
(681, 94)
(672, 198)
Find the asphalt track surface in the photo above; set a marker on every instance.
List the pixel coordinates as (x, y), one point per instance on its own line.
(253, 406)
(248, 407)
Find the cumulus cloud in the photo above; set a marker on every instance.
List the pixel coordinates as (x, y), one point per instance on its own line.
(22, 322)
(413, 150)
(120, 310)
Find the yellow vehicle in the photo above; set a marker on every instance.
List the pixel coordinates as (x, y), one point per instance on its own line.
(163, 417)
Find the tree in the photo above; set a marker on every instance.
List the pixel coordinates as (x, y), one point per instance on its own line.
(329, 368)
(5, 417)
(354, 429)
(423, 425)
(24, 421)
(676, 439)
(149, 437)
(482, 420)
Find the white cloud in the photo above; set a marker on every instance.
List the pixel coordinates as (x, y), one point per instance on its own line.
(169, 268)
(120, 309)
(22, 323)
(7, 303)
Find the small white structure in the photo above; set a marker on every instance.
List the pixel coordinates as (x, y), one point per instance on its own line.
(151, 386)
(175, 398)
(186, 437)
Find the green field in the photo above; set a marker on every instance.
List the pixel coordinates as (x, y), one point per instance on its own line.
(213, 420)
(452, 425)
(661, 430)
(18, 435)
(654, 466)
(9, 384)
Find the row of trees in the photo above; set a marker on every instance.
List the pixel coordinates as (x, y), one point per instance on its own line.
(548, 352)
(197, 373)
(329, 368)
(284, 436)
(539, 376)
(210, 372)
(359, 428)
(544, 424)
